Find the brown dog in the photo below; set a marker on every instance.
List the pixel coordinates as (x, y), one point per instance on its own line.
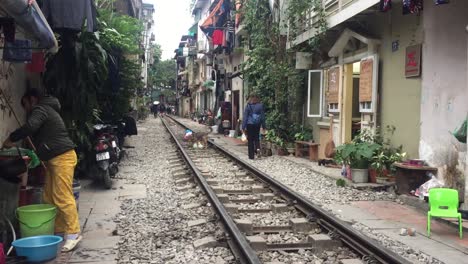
(199, 137)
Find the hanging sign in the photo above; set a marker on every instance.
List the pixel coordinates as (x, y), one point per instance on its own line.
(366, 80)
(303, 60)
(333, 79)
(413, 61)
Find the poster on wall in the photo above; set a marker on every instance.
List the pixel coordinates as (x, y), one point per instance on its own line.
(413, 61)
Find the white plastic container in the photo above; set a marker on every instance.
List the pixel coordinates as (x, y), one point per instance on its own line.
(214, 129)
(360, 175)
(232, 133)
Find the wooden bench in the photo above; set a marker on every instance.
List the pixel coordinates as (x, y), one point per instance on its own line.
(312, 148)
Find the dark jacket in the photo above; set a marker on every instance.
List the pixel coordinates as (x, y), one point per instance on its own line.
(47, 130)
(251, 109)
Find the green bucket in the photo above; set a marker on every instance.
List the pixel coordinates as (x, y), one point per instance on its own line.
(36, 219)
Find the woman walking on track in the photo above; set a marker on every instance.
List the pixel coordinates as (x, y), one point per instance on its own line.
(254, 119)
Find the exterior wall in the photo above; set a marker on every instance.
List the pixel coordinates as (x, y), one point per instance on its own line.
(444, 93)
(400, 97)
(14, 87)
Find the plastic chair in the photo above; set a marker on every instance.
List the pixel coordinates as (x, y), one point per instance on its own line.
(443, 203)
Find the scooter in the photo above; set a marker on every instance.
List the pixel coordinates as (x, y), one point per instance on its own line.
(107, 152)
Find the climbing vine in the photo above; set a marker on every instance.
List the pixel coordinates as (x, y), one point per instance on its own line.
(300, 14)
(270, 68)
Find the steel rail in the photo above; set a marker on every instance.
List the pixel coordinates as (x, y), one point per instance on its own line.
(359, 242)
(242, 246)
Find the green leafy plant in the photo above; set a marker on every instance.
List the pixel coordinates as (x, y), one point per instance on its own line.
(303, 134)
(357, 155)
(340, 183)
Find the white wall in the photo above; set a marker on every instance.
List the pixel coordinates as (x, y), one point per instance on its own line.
(14, 88)
(444, 83)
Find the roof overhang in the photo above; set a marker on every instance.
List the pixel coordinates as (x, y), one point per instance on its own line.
(345, 37)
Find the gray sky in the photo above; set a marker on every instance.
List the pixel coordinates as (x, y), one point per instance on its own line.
(172, 20)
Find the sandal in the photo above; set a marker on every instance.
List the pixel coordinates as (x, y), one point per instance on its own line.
(70, 244)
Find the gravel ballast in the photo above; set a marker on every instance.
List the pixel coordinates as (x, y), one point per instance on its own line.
(323, 191)
(156, 229)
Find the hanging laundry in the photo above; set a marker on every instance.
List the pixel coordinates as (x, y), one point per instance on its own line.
(37, 63)
(9, 29)
(441, 2)
(17, 51)
(70, 14)
(218, 37)
(385, 5)
(412, 6)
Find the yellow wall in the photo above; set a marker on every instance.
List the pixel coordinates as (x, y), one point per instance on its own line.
(400, 98)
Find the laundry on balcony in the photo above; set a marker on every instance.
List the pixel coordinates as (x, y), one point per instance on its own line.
(71, 14)
(216, 19)
(31, 20)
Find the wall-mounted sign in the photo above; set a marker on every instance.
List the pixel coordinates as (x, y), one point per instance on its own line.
(333, 85)
(303, 60)
(366, 80)
(413, 61)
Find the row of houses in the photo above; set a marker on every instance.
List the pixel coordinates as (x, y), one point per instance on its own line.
(17, 76)
(403, 65)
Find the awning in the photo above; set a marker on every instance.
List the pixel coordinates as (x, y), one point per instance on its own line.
(32, 20)
(216, 18)
(193, 30)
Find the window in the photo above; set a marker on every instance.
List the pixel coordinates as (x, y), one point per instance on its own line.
(315, 93)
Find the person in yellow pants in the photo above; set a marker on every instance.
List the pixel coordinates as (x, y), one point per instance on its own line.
(55, 148)
(58, 191)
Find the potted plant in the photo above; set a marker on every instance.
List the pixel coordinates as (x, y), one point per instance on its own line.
(280, 146)
(358, 155)
(382, 163)
(290, 147)
(270, 138)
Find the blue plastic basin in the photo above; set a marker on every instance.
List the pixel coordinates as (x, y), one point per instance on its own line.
(38, 248)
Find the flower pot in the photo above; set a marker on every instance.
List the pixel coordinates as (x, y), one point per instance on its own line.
(291, 150)
(281, 151)
(381, 180)
(372, 176)
(360, 175)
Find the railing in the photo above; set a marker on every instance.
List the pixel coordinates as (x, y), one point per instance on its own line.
(337, 11)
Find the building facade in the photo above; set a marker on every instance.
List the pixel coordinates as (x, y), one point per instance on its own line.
(401, 68)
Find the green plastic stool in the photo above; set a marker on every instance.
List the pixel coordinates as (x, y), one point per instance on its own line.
(443, 202)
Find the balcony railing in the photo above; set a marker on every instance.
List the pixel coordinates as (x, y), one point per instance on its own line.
(337, 11)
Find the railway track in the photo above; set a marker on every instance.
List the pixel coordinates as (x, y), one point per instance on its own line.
(264, 220)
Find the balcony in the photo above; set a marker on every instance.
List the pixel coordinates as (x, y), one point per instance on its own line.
(337, 12)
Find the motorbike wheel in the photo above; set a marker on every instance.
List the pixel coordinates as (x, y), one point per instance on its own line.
(106, 179)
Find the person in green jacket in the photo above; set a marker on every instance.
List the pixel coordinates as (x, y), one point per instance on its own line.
(55, 148)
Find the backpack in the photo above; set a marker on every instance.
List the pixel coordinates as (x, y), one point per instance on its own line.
(255, 119)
